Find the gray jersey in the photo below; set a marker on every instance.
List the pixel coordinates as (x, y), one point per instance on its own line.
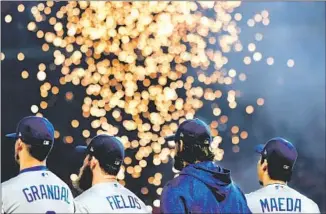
(110, 197)
(36, 190)
(278, 198)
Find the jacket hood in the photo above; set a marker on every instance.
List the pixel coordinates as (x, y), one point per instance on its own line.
(214, 177)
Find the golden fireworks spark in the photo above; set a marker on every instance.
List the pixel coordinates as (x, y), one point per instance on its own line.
(140, 60)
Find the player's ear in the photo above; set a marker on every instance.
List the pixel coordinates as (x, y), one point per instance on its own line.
(264, 168)
(86, 160)
(93, 162)
(19, 145)
(180, 146)
(264, 165)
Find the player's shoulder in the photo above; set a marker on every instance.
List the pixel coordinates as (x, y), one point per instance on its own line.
(87, 196)
(311, 202)
(57, 179)
(175, 185)
(10, 183)
(169, 186)
(256, 193)
(180, 181)
(129, 192)
(306, 200)
(303, 197)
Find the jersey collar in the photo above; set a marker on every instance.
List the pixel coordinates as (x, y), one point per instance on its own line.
(276, 184)
(34, 168)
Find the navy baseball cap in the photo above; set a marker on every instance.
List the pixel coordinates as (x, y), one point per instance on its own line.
(108, 150)
(195, 130)
(34, 130)
(279, 151)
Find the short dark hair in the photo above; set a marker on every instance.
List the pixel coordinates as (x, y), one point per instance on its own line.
(204, 153)
(197, 152)
(110, 169)
(39, 152)
(275, 169)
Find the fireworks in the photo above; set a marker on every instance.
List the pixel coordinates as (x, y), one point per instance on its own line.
(20, 56)
(3, 56)
(138, 55)
(290, 63)
(8, 18)
(145, 67)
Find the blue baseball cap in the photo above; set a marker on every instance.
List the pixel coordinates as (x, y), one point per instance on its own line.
(34, 130)
(108, 150)
(195, 131)
(280, 152)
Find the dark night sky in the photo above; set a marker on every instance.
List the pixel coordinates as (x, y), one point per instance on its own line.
(294, 109)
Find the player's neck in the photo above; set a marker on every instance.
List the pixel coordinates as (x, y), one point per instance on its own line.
(103, 179)
(24, 164)
(270, 182)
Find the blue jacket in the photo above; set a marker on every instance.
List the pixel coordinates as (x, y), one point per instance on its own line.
(203, 188)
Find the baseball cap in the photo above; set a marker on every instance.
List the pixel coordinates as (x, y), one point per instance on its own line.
(108, 150)
(279, 150)
(34, 130)
(196, 130)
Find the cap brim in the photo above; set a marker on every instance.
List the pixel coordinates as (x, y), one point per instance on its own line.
(170, 138)
(12, 135)
(259, 148)
(81, 150)
(78, 155)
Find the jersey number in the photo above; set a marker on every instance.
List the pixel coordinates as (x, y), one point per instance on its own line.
(50, 212)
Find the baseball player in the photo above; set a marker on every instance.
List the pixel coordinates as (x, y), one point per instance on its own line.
(274, 168)
(103, 194)
(202, 186)
(35, 189)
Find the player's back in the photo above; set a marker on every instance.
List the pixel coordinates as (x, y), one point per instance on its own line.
(278, 198)
(36, 190)
(110, 197)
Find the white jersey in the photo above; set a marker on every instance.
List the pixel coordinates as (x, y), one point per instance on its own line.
(36, 190)
(110, 197)
(278, 198)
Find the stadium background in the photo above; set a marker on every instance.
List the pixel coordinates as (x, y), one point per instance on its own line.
(293, 93)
